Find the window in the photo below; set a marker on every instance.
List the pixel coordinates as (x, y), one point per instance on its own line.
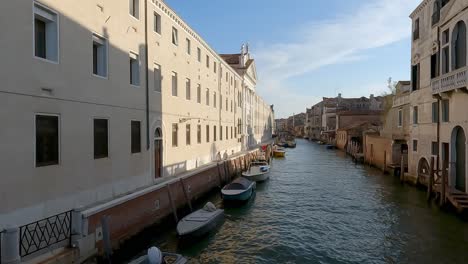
(188, 95)
(221, 102)
(46, 42)
(227, 76)
(47, 140)
(175, 129)
(445, 57)
(214, 99)
(436, 12)
(214, 66)
(416, 30)
(445, 110)
(220, 133)
(199, 54)
(207, 61)
(174, 83)
(400, 118)
(101, 138)
(435, 112)
(199, 94)
(187, 134)
(231, 132)
(157, 23)
(207, 97)
(435, 65)
(199, 134)
(187, 41)
(415, 115)
(157, 78)
(459, 46)
(415, 77)
(207, 133)
(136, 136)
(175, 36)
(415, 145)
(134, 69)
(135, 8)
(99, 56)
(435, 148)
(227, 105)
(227, 132)
(214, 133)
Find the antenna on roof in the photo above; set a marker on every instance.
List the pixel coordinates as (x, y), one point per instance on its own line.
(247, 48)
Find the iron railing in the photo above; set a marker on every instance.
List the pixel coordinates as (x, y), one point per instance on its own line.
(44, 233)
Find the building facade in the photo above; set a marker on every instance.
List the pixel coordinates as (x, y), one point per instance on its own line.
(105, 98)
(439, 90)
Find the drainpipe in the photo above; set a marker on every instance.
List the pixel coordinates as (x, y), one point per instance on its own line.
(147, 77)
(438, 104)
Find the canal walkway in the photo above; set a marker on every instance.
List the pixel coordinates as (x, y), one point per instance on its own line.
(319, 207)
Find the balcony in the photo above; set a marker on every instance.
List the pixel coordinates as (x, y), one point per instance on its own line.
(450, 81)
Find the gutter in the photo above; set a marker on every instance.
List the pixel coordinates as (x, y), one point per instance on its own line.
(147, 78)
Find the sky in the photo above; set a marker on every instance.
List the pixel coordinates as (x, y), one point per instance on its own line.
(308, 49)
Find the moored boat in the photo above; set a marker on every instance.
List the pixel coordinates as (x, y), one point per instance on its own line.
(155, 256)
(291, 144)
(279, 153)
(200, 222)
(258, 171)
(241, 189)
(329, 146)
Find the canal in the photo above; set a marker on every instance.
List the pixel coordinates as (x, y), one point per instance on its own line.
(319, 207)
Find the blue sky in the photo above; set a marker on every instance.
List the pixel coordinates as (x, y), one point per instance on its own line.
(308, 49)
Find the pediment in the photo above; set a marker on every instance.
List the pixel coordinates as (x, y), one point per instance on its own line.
(251, 70)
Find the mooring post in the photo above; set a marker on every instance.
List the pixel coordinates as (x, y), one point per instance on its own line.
(219, 176)
(402, 168)
(187, 197)
(228, 162)
(106, 237)
(442, 185)
(431, 180)
(174, 209)
(384, 161)
(10, 241)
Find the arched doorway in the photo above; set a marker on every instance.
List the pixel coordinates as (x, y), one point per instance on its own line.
(458, 158)
(423, 171)
(157, 153)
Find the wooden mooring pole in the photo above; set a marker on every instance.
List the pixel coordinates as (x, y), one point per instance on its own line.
(442, 184)
(186, 194)
(173, 207)
(219, 176)
(384, 162)
(402, 168)
(431, 180)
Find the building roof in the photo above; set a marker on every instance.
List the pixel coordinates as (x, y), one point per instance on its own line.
(357, 125)
(359, 112)
(231, 58)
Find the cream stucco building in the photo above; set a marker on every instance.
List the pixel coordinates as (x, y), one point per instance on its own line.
(101, 98)
(439, 94)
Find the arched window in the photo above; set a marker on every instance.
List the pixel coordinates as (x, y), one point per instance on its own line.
(459, 46)
(157, 133)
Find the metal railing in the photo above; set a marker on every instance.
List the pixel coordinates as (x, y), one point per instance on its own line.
(44, 233)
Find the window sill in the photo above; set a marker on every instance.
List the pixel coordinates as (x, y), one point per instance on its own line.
(135, 86)
(101, 77)
(134, 17)
(46, 60)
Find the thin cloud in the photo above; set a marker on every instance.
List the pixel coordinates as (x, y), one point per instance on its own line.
(339, 40)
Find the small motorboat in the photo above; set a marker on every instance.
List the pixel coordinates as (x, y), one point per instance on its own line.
(155, 256)
(291, 144)
(279, 153)
(240, 189)
(329, 147)
(200, 222)
(258, 171)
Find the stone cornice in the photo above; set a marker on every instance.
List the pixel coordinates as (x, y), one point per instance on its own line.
(419, 8)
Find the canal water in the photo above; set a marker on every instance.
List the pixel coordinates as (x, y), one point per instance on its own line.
(319, 207)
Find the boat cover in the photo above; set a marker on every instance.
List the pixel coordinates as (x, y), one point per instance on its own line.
(238, 184)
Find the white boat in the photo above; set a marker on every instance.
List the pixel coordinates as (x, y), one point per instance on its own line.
(200, 222)
(155, 256)
(258, 171)
(240, 189)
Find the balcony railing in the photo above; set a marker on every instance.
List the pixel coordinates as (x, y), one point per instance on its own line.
(450, 81)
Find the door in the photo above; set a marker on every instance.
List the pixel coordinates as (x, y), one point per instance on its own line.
(460, 160)
(157, 153)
